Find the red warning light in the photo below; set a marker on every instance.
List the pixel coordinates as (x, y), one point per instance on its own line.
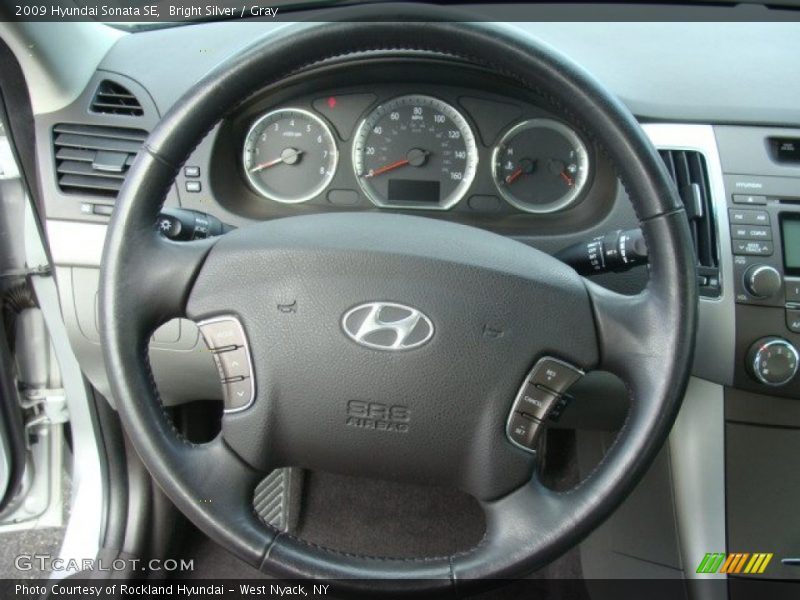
(332, 102)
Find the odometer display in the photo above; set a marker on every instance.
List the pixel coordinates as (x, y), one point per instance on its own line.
(415, 151)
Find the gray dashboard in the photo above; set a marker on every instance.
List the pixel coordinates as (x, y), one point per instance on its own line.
(159, 66)
(663, 71)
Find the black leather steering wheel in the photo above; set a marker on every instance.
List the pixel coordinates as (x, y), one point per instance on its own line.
(457, 389)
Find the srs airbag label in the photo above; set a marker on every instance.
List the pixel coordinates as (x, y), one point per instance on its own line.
(377, 416)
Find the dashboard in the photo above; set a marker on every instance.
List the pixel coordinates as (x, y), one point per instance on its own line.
(435, 143)
(415, 151)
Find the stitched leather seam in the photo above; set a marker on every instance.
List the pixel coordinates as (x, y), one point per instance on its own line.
(164, 413)
(346, 554)
(666, 213)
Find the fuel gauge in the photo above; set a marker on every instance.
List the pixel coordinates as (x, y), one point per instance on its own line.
(540, 166)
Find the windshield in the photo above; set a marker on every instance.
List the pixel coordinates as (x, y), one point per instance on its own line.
(171, 14)
(142, 15)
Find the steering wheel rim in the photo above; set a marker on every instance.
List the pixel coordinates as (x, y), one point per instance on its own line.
(146, 280)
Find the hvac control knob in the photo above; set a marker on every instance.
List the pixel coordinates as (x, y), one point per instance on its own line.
(762, 281)
(773, 361)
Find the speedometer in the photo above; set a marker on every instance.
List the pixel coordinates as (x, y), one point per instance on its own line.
(415, 152)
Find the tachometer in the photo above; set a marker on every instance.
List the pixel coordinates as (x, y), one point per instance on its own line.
(415, 152)
(290, 155)
(540, 166)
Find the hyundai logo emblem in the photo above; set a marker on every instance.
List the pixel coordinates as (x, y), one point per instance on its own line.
(387, 326)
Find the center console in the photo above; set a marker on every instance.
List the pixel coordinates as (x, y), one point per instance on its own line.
(765, 237)
(761, 172)
(764, 217)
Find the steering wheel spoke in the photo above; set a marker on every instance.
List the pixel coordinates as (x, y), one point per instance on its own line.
(624, 327)
(156, 278)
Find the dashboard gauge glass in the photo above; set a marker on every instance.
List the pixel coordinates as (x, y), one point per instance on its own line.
(415, 151)
(290, 155)
(540, 166)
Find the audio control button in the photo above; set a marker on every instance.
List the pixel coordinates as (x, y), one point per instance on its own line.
(234, 363)
(225, 337)
(750, 232)
(222, 333)
(748, 217)
(749, 199)
(752, 248)
(238, 393)
(762, 281)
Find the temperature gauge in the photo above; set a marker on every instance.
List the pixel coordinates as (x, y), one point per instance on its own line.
(540, 166)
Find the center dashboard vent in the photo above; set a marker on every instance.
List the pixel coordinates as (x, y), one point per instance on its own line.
(93, 160)
(114, 99)
(688, 170)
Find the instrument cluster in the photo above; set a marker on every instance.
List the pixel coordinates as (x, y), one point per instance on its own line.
(415, 151)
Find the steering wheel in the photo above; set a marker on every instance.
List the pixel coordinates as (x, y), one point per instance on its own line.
(453, 392)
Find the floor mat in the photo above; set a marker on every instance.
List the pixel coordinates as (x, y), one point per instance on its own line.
(382, 518)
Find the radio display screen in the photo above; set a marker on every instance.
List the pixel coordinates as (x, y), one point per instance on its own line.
(790, 232)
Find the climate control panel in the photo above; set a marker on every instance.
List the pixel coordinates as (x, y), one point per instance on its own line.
(773, 361)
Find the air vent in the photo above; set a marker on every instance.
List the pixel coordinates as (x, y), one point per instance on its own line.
(688, 170)
(113, 99)
(92, 159)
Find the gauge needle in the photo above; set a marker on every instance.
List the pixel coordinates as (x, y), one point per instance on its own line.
(416, 157)
(386, 168)
(513, 177)
(567, 179)
(288, 156)
(526, 166)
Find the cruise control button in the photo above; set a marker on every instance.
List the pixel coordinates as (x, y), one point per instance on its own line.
(535, 401)
(234, 363)
(238, 393)
(222, 333)
(554, 375)
(522, 430)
